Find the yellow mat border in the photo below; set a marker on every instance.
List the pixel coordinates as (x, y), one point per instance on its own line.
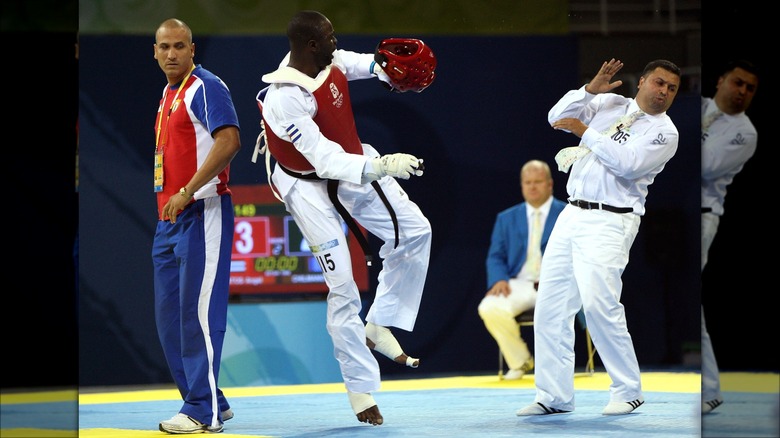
(653, 382)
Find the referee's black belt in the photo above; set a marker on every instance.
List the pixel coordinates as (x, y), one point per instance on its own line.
(587, 205)
(706, 210)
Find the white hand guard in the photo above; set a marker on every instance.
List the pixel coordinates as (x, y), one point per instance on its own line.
(398, 166)
(380, 73)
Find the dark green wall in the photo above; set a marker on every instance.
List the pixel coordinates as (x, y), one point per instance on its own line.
(269, 17)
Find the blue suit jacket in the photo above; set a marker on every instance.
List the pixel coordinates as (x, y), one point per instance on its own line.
(508, 244)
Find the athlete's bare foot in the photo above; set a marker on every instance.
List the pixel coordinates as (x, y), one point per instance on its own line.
(371, 416)
(402, 359)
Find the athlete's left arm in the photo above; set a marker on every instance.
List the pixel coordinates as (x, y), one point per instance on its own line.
(354, 65)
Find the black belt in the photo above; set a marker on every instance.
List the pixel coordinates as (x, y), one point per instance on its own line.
(312, 175)
(599, 206)
(333, 186)
(706, 210)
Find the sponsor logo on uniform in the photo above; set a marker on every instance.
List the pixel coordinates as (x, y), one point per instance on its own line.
(338, 96)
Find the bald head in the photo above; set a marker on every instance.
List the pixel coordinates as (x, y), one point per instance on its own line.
(174, 50)
(536, 165)
(173, 24)
(536, 182)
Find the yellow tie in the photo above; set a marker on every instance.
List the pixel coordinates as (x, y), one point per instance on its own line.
(534, 257)
(706, 121)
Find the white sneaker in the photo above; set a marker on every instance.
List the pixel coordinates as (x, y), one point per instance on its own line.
(514, 374)
(708, 406)
(622, 408)
(182, 423)
(539, 409)
(227, 414)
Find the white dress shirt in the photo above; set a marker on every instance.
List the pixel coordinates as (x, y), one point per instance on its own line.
(726, 146)
(621, 168)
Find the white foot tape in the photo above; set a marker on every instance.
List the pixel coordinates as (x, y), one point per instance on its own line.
(387, 344)
(384, 341)
(360, 402)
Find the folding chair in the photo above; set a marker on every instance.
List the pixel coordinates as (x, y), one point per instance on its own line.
(526, 319)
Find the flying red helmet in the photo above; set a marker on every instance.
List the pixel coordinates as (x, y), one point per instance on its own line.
(408, 62)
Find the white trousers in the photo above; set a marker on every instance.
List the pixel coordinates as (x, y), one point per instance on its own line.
(710, 375)
(401, 279)
(498, 312)
(582, 267)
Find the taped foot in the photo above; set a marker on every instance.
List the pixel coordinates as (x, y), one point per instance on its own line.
(381, 339)
(365, 408)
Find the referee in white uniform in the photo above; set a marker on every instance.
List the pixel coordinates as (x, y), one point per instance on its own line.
(618, 158)
(728, 140)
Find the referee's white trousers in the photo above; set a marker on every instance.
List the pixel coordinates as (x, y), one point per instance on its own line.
(582, 266)
(710, 374)
(401, 280)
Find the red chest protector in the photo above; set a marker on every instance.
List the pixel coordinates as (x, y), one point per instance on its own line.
(334, 118)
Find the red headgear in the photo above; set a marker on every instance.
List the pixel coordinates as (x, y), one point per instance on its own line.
(408, 62)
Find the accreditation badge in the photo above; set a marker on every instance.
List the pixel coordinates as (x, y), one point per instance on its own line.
(158, 171)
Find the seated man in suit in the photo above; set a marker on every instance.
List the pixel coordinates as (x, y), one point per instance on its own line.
(513, 263)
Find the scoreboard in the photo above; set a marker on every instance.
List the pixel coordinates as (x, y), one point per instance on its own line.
(270, 255)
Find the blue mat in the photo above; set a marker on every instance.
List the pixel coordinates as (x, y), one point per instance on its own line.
(450, 407)
(432, 413)
(744, 415)
(48, 415)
